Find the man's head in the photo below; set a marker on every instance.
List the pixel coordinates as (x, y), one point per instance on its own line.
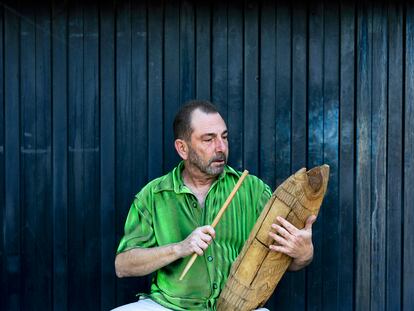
(201, 138)
(182, 121)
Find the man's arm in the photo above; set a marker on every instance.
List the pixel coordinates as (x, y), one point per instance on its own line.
(294, 242)
(143, 261)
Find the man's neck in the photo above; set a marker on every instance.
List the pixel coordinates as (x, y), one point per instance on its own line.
(196, 179)
(198, 184)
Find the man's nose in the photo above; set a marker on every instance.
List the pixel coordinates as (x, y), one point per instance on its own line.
(221, 145)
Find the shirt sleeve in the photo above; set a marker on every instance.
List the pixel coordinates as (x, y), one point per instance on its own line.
(138, 231)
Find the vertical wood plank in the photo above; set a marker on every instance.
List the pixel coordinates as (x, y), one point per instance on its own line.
(155, 88)
(379, 140)
(330, 133)
(36, 156)
(43, 214)
(187, 51)
(299, 85)
(363, 160)
(3, 284)
(251, 87)
(139, 92)
(299, 125)
(139, 33)
(267, 95)
(124, 136)
(28, 148)
(139, 19)
(76, 179)
(128, 138)
(60, 157)
(12, 232)
(315, 144)
(346, 156)
(203, 49)
(235, 84)
(90, 166)
(394, 158)
(172, 72)
(408, 224)
(107, 155)
(283, 90)
(283, 119)
(219, 70)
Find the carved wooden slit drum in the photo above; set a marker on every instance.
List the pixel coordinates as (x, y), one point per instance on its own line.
(257, 270)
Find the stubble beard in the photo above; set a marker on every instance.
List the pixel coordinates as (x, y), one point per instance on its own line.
(207, 168)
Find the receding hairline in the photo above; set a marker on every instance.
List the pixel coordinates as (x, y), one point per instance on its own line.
(182, 125)
(202, 112)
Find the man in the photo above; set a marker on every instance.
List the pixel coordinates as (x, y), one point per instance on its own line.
(168, 220)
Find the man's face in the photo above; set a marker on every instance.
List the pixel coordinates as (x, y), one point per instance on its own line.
(208, 146)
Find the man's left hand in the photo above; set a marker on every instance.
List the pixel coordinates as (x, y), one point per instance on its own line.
(294, 242)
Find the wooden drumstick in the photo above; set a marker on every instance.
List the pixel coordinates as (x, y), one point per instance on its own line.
(217, 219)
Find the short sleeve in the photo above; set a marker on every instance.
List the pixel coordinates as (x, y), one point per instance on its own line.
(138, 231)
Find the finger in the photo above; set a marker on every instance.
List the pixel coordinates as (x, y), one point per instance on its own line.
(278, 239)
(309, 222)
(209, 230)
(198, 251)
(287, 225)
(203, 245)
(206, 238)
(280, 249)
(198, 246)
(282, 231)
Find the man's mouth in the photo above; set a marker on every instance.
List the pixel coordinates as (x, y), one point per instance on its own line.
(219, 160)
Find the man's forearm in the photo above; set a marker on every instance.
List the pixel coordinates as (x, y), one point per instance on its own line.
(143, 261)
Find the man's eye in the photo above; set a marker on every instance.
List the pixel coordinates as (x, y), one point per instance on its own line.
(225, 137)
(208, 139)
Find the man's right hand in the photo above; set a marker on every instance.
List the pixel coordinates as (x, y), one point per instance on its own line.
(197, 242)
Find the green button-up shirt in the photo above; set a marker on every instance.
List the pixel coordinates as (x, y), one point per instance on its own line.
(165, 211)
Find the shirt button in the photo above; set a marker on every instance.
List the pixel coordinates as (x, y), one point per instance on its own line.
(215, 286)
(194, 204)
(210, 258)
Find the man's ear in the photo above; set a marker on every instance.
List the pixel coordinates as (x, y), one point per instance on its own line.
(182, 148)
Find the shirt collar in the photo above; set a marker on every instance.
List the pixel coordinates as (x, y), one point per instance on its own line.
(173, 181)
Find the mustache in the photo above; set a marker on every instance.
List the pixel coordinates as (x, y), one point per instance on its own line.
(219, 157)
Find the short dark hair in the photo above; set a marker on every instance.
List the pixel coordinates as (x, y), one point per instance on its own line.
(182, 121)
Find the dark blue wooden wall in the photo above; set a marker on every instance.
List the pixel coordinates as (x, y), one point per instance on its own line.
(87, 97)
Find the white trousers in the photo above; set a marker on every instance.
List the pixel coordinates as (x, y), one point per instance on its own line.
(150, 305)
(142, 305)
